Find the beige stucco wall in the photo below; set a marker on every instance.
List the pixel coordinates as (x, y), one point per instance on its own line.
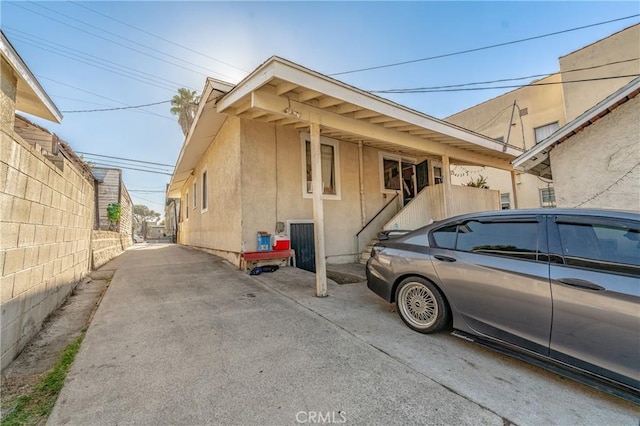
(46, 218)
(219, 227)
(599, 167)
(620, 46)
(544, 105)
(273, 188)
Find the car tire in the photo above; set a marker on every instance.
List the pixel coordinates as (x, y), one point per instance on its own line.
(421, 306)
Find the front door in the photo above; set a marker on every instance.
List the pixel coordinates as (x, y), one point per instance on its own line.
(303, 243)
(408, 182)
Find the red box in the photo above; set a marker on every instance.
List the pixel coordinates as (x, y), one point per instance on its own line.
(282, 244)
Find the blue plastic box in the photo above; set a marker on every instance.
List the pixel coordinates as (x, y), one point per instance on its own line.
(264, 241)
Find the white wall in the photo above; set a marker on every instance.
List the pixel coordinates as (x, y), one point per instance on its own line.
(599, 167)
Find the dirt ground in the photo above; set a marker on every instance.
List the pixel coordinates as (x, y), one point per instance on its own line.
(60, 329)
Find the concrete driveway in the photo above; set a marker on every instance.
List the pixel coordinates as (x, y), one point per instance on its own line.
(183, 338)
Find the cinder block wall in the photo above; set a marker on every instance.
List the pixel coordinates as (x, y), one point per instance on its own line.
(126, 212)
(46, 219)
(105, 245)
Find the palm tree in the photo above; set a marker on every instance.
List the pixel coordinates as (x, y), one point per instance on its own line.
(184, 105)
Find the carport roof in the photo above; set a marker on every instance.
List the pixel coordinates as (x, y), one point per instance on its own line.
(287, 94)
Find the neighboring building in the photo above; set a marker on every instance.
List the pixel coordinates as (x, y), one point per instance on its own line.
(594, 160)
(154, 231)
(46, 209)
(110, 189)
(248, 162)
(171, 215)
(528, 115)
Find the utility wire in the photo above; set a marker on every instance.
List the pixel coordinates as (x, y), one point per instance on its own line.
(117, 43)
(116, 163)
(506, 79)
(482, 48)
(101, 96)
(131, 168)
(96, 61)
(123, 38)
(159, 37)
(504, 87)
(126, 159)
(117, 109)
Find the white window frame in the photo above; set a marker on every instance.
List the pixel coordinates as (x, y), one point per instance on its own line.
(382, 155)
(304, 138)
(550, 204)
(508, 201)
(204, 201)
(535, 130)
(195, 194)
(186, 202)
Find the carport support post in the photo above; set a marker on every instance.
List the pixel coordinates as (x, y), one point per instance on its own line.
(514, 189)
(318, 212)
(446, 186)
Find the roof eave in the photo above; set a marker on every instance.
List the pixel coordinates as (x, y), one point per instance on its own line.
(31, 98)
(540, 152)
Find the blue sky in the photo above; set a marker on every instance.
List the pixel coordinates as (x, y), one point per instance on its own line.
(162, 46)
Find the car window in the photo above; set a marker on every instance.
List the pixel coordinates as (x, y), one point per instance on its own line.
(511, 239)
(445, 237)
(609, 248)
(419, 239)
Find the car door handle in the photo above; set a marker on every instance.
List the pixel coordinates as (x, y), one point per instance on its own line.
(576, 282)
(445, 258)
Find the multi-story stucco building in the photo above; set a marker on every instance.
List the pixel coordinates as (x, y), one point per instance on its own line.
(526, 116)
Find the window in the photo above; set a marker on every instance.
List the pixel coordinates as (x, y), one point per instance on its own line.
(330, 165)
(511, 239)
(505, 201)
(544, 132)
(608, 248)
(437, 174)
(391, 174)
(186, 203)
(445, 237)
(204, 190)
(547, 197)
(195, 198)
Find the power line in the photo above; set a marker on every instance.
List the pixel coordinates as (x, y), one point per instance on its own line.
(131, 168)
(504, 87)
(117, 109)
(117, 43)
(482, 48)
(159, 37)
(126, 159)
(95, 61)
(101, 96)
(506, 79)
(116, 164)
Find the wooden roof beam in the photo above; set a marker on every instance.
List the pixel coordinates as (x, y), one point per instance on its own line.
(285, 87)
(276, 105)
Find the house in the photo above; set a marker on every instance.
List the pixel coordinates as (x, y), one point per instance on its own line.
(526, 116)
(110, 189)
(289, 150)
(594, 160)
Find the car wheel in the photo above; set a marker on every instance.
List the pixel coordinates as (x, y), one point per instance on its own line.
(421, 305)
